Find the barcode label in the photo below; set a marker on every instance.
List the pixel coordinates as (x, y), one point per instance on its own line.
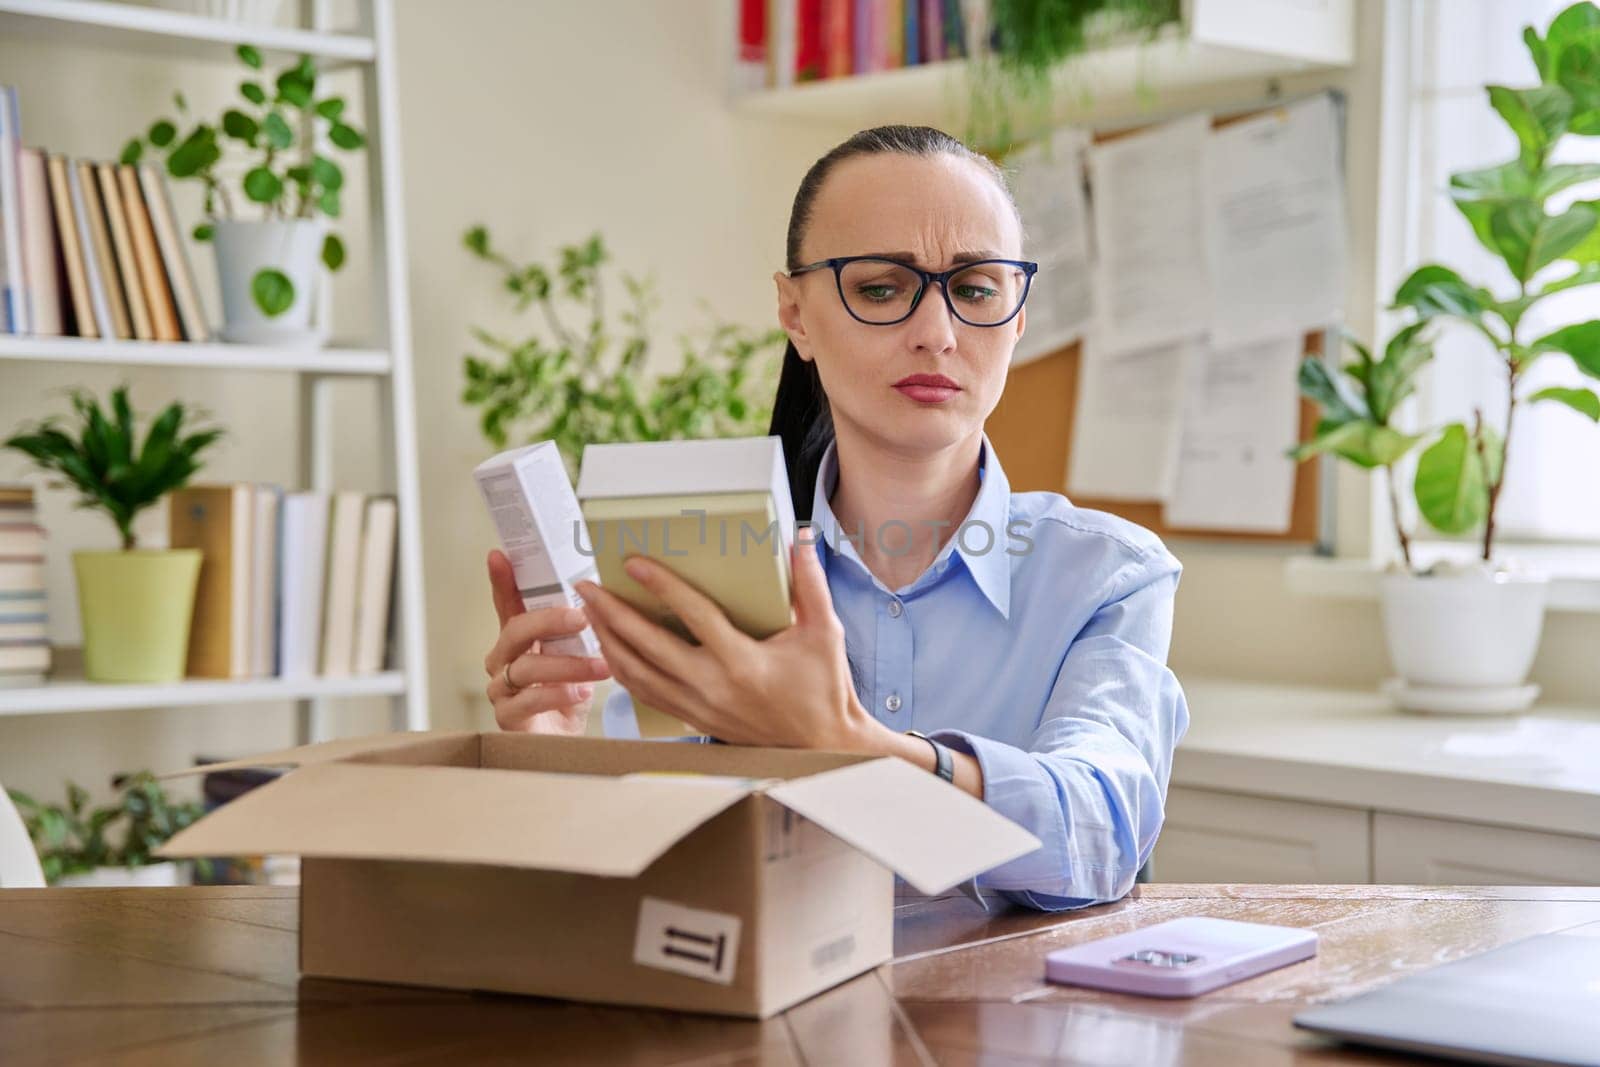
(701, 944)
(836, 951)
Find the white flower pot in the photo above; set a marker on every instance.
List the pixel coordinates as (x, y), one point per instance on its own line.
(151, 874)
(1463, 640)
(293, 246)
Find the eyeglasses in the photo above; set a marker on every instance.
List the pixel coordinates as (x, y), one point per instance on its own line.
(882, 292)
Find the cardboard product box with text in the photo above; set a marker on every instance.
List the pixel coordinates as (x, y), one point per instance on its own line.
(708, 878)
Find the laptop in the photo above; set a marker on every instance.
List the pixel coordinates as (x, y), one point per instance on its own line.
(1530, 1002)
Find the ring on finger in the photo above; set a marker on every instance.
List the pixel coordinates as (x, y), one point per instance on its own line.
(505, 676)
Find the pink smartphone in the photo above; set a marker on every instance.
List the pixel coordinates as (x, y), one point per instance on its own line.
(1181, 958)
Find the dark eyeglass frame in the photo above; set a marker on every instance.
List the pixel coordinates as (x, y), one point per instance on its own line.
(925, 277)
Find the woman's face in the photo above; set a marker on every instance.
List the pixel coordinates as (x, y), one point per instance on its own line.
(934, 209)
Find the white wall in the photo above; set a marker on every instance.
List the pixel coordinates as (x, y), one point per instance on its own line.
(547, 121)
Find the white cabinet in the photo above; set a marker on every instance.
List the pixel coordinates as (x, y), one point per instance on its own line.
(1213, 836)
(1408, 849)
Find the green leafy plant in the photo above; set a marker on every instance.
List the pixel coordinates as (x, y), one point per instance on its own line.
(587, 387)
(277, 129)
(104, 461)
(1460, 475)
(1012, 65)
(74, 839)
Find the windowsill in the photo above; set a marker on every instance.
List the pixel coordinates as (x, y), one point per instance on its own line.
(1574, 572)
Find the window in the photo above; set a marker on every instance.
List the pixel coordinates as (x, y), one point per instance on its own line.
(1457, 47)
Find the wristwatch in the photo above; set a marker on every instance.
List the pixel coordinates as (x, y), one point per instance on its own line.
(944, 765)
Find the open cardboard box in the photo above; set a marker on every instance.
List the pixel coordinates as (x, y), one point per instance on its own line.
(741, 881)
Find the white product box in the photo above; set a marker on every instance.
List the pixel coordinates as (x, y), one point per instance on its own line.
(540, 526)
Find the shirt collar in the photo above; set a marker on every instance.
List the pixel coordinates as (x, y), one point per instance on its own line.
(983, 552)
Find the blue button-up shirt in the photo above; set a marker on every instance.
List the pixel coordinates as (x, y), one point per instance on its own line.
(1036, 642)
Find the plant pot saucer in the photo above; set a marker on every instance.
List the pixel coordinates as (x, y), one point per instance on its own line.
(1460, 700)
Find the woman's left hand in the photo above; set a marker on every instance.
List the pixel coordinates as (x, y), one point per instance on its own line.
(792, 689)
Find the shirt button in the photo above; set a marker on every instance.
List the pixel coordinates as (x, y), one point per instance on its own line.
(892, 701)
(895, 609)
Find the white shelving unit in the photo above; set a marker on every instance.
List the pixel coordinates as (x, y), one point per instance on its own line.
(1219, 42)
(370, 49)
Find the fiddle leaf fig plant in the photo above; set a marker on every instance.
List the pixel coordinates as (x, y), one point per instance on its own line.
(275, 133)
(587, 386)
(1547, 249)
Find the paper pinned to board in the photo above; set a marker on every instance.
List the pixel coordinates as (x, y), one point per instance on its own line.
(1276, 223)
(1126, 428)
(1048, 185)
(1152, 275)
(1240, 415)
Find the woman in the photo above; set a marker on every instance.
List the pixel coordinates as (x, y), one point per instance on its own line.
(1032, 657)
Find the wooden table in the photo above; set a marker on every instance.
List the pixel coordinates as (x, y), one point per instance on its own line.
(195, 975)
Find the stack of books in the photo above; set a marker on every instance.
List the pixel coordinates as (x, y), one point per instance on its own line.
(24, 642)
(292, 585)
(89, 249)
(782, 42)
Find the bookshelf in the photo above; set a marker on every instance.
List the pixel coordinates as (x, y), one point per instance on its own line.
(1219, 42)
(348, 361)
(369, 49)
(69, 694)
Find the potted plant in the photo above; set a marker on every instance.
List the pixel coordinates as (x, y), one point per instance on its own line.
(136, 603)
(1016, 47)
(582, 387)
(267, 266)
(110, 845)
(1463, 635)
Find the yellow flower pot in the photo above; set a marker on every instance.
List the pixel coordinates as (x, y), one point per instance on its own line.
(136, 608)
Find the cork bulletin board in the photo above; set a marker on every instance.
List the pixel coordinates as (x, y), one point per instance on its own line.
(1032, 427)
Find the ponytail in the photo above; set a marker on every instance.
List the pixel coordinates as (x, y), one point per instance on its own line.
(802, 418)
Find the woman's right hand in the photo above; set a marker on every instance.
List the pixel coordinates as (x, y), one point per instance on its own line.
(549, 694)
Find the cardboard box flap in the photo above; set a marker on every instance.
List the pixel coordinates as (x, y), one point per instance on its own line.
(343, 748)
(925, 830)
(585, 824)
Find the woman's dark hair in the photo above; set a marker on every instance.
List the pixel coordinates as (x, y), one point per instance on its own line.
(800, 412)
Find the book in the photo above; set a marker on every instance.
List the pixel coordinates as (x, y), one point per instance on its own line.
(102, 256)
(264, 581)
(837, 38)
(344, 575)
(782, 42)
(219, 521)
(152, 275)
(893, 41)
(809, 60)
(40, 262)
(22, 574)
(82, 322)
(20, 538)
(912, 28)
(32, 659)
(715, 512)
(122, 251)
(861, 17)
(13, 277)
(377, 584)
(750, 69)
(932, 31)
(303, 536)
(99, 302)
(174, 254)
(29, 629)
